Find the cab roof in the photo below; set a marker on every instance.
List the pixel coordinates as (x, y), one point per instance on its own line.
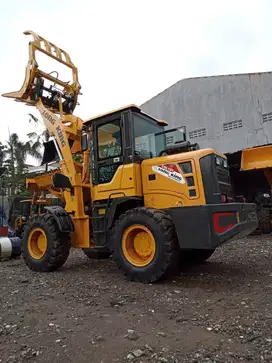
(131, 107)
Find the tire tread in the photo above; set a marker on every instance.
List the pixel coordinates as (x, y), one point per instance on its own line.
(59, 249)
(166, 263)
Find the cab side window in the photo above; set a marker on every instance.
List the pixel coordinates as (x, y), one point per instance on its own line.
(109, 147)
(109, 140)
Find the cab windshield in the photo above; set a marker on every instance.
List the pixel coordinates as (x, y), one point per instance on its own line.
(151, 139)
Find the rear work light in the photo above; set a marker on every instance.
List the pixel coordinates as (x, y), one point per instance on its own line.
(221, 162)
(226, 199)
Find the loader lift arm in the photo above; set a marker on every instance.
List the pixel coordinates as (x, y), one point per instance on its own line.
(33, 87)
(56, 103)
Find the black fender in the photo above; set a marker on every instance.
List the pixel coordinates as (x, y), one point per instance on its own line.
(63, 219)
(119, 206)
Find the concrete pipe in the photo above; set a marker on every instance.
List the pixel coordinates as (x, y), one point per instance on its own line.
(10, 247)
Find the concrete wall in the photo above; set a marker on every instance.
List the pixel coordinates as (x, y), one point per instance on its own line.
(228, 113)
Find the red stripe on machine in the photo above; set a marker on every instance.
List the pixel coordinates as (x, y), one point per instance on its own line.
(216, 222)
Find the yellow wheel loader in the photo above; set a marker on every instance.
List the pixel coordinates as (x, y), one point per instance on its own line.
(19, 213)
(142, 194)
(250, 172)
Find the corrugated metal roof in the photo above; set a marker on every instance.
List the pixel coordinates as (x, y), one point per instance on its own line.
(210, 77)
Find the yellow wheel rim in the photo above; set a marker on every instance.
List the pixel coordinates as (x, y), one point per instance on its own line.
(37, 243)
(138, 245)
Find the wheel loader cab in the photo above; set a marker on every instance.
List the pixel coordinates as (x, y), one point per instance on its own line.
(116, 142)
(122, 140)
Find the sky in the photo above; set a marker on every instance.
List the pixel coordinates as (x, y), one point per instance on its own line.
(128, 51)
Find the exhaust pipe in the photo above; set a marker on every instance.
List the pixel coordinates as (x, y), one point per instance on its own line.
(10, 247)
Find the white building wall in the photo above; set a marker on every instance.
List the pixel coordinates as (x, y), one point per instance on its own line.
(205, 105)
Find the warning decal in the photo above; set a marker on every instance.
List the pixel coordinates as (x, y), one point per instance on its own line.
(170, 171)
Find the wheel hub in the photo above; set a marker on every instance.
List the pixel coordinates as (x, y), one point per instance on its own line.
(142, 244)
(138, 245)
(37, 243)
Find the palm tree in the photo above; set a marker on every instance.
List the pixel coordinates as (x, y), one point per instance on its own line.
(2, 158)
(37, 139)
(16, 152)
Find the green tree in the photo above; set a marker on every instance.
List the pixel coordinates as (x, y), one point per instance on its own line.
(37, 139)
(2, 158)
(16, 152)
(15, 161)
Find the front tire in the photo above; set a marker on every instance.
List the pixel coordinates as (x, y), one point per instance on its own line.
(44, 247)
(144, 244)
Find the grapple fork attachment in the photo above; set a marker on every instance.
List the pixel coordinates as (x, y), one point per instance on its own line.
(34, 87)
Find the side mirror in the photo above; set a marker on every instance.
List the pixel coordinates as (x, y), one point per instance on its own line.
(84, 142)
(61, 181)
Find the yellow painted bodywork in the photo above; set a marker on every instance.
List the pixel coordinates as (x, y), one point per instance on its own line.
(42, 181)
(132, 180)
(164, 192)
(256, 158)
(126, 182)
(64, 128)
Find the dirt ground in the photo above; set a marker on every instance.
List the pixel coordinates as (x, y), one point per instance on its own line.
(88, 312)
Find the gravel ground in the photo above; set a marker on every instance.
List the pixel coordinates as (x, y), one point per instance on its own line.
(88, 312)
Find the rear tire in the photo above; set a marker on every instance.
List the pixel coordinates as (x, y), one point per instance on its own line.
(195, 257)
(144, 244)
(44, 247)
(96, 254)
(264, 220)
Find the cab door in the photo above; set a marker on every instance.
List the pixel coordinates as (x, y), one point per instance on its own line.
(114, 174)
(108, 154)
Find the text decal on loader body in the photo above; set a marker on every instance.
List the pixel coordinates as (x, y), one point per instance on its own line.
(170, 171)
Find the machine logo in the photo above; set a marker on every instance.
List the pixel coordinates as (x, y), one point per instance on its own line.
(48, 117)
(170, 171)
(60, 135)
